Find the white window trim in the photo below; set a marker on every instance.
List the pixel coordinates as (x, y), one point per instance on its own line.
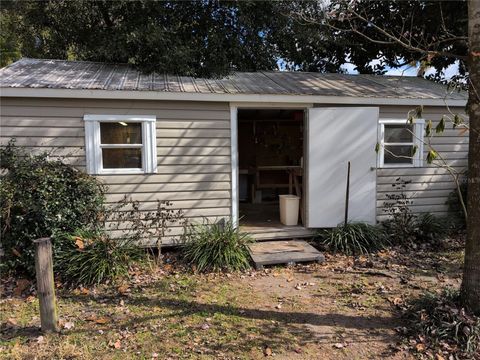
(93, 146)
(418, 130)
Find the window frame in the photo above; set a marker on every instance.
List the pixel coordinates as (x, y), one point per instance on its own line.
(418, 136)
(93, 144)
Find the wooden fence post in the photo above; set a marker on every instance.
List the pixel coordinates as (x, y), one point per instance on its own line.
(45, 284)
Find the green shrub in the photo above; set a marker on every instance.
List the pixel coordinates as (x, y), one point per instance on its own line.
(431, 228)
(39, 197)
(443, 325)
(218, 246)
(91, 257)
(353, 238)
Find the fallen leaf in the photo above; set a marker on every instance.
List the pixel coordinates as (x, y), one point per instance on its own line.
(117, 344)
(84, 291)
(123, 289)
(205, 326)
(68, 325)
(81, 291)
(91, 318)
(267, 351)
(102, 320)
(16, 252)
(40, 339)
(339, 345)
(79, 242)
(420, 347)
(11, 322)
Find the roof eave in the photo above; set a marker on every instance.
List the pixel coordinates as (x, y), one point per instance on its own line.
(212, 97)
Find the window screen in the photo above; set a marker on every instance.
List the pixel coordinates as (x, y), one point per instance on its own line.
(121, 145)
(398, 144)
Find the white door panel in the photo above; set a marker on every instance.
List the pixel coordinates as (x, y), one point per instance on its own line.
(336, 136)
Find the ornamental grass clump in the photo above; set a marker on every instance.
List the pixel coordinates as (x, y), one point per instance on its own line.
(89, 257)
(216, 247)
(432, 228)
(353, 238)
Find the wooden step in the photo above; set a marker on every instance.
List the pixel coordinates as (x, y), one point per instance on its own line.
(287, 252)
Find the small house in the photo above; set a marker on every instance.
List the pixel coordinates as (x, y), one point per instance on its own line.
(228, 147)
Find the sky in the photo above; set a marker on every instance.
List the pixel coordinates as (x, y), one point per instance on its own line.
(407, 70)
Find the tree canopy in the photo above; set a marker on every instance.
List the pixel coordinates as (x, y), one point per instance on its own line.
(213, 37)
(199, 38)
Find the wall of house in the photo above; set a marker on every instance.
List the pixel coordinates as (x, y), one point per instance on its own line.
(193, 147)
(430, 185)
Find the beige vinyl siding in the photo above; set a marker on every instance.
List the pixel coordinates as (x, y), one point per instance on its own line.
(430, 185)
(193, 149)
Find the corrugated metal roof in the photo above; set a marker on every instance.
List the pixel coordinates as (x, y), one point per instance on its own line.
(61, 74)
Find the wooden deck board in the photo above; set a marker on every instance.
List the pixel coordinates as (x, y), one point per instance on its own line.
(283, 252)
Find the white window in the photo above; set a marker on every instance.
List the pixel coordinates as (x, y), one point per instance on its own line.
(401, 143)
(120, 144)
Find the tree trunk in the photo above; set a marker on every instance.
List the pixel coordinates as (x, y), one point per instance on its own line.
(471, 271)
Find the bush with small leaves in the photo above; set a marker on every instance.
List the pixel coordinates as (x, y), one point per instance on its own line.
(218, 246)
(39, 197)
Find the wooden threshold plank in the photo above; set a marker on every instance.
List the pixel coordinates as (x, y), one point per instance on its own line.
(283, 252)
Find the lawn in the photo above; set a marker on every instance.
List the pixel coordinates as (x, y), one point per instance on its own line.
(346, 308)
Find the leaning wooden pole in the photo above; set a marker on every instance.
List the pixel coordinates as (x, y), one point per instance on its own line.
(347, 195)
(46, 285)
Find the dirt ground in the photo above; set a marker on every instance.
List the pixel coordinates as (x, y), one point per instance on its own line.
(346, 308)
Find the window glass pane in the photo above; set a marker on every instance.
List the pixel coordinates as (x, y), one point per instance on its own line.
(121, 133)
(122, 158)
(398, 154)
(398, 133)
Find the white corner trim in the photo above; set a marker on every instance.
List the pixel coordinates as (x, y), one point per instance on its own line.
(234, 161)
(252, 98)
(93, 146)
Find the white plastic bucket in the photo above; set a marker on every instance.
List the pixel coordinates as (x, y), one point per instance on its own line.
(289, 205)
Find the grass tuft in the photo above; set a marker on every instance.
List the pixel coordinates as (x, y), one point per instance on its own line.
(88, 257)
(353, 238)
(216, 247)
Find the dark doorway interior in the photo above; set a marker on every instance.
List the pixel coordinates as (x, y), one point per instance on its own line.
(271, 150)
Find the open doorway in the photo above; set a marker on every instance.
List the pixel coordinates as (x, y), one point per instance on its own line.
(271, 157)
